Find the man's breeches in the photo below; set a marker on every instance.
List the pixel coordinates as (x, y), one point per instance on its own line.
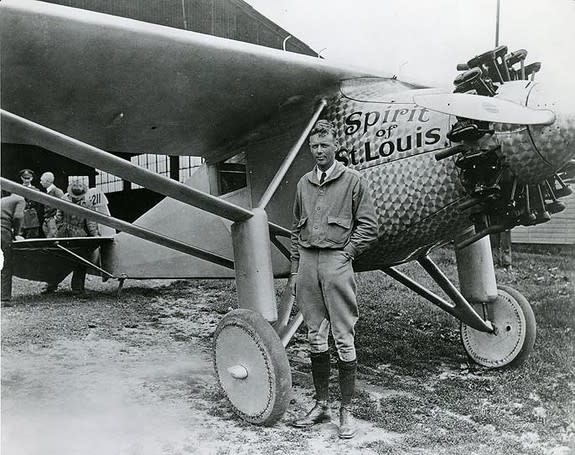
(325, 293)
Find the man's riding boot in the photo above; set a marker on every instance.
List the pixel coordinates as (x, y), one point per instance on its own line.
(320, 373)
(347, 426)
(347, 373)
(319, 413)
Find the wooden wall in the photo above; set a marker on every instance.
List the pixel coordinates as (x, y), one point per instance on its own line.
(560, 230)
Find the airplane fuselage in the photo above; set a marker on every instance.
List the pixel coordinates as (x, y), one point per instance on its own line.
(390, 140)
(393, 142)
(393, 146)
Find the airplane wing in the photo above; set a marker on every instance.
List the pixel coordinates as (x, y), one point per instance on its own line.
(52, 259)
(129, 86)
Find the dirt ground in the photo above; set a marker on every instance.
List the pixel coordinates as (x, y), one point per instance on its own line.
(134, 375)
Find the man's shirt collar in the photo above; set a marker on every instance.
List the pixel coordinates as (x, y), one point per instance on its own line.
(50, 188)
(328, 172)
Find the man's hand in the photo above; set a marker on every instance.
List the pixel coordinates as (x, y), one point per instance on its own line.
(347, 255)
(292, 282)
(18, 237)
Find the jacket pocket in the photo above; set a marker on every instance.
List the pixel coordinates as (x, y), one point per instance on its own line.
(302, 227)
(338, 229)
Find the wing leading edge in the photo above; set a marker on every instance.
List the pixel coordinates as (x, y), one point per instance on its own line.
(129, 86)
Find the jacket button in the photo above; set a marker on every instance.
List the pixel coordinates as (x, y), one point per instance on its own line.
(316, 227)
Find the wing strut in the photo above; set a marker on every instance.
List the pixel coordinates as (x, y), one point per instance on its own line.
(99, 159)
(114, 223)
(84, 260)
(291, 156)
(251, 240)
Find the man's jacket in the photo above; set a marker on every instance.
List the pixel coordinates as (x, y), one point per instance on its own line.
(70, 225)
(338, 214)
(12, 212)
(31, 219)
(49, 211)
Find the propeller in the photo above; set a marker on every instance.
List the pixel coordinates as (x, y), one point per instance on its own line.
(484, 108)
(506, 174)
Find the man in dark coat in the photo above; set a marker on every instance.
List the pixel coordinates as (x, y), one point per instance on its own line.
(12, 213)
(33, 211)
(49, 224)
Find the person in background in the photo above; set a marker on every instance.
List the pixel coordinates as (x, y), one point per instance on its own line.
(334, 222)
(12, 212)
(71, 225)
(49, 224)
(99, 202)
(31, 222)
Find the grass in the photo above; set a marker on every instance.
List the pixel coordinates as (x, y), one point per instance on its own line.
(452, 405)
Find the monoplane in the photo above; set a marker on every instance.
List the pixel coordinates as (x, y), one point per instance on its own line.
(442, 166)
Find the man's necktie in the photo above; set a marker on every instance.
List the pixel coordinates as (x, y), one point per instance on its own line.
(322, 179)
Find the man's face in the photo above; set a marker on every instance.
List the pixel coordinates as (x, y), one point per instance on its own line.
(44, 181)
(26, 180)
(323, 149)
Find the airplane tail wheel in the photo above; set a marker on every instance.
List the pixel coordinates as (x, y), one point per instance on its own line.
(252, 367)
(514, 335)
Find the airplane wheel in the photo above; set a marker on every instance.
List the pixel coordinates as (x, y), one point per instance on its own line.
(252, 367)
(514, 335)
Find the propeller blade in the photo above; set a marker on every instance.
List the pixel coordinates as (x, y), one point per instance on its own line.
(485, 108)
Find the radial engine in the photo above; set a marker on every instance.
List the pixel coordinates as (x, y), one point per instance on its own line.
(514, 174)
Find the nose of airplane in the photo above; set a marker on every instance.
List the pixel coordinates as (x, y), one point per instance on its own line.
(536, 152)
(556, 142)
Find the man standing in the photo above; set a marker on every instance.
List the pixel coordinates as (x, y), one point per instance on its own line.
(70, 225)
(31, 223)
(334, 221)
(12, 212)
(49, 225)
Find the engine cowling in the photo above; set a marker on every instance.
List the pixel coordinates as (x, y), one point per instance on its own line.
(536, 152)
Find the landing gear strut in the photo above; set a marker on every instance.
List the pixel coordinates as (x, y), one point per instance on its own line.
(497, 323)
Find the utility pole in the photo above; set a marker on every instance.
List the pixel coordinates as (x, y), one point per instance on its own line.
(502, 239)
(497, 25)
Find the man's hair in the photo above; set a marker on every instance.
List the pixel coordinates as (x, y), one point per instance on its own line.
(323, 128)
(48, 176)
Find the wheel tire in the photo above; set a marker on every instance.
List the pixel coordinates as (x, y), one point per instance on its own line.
(515, 334)
(243, 337)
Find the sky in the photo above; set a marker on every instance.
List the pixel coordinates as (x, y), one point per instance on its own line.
(423, 40)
